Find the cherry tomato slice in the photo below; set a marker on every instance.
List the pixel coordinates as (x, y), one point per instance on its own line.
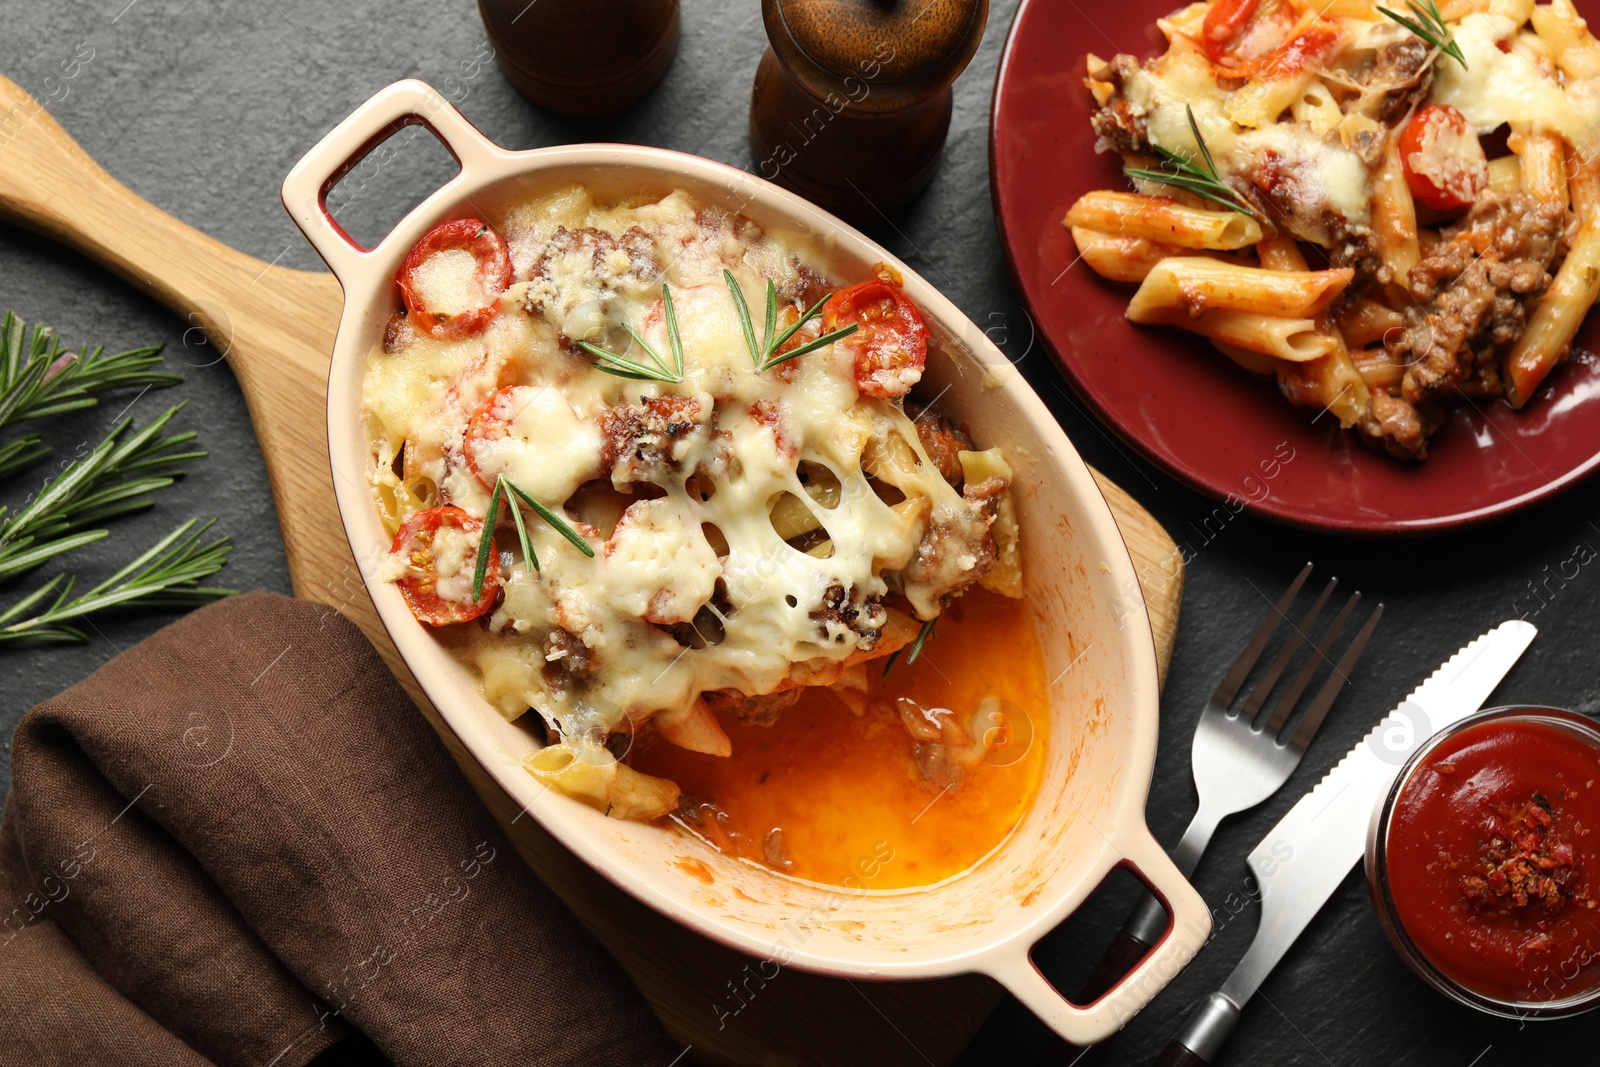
(889, 349)
(1224, 22)
(443, 600)
(1444, 164)
(491, 277)
(489, 424)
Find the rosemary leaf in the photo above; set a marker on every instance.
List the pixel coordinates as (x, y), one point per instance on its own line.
(623, 367)
(116, 477)
(916, 647)
(1205, 181)
(923, 637)
(486, 544)
(39, 376)
(556, 522)
(166, 574)
(762, 356)
(530, 561)
(1431, 27)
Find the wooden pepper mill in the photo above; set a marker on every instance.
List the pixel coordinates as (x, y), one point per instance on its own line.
(852, 100)
(582, 57)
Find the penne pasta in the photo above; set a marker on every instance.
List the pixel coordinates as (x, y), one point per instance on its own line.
(1367, 322)
(1542, 159)
(1193, 284)
(1130, 259)
(1163, 219)
(1505, 175)
(1394, 214)
(1515, 10)
(1573, 47)
(1330, 382)
(1279, 251)
(1296, 340)
(1377, 369)
(1555, 321)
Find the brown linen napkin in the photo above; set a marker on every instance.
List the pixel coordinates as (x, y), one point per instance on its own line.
(238, 840)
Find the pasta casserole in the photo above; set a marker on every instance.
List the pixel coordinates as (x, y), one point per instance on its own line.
(644, 463)
(1387, 211)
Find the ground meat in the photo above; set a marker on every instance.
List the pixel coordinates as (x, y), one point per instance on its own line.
(956, 551)
(629, 256)
(850, 611)
(808, 288)
(1471, 290)
(639, 440)
(1120, 124)
(398, 334)
(935, 765)
(567, 660)
(1399, 428)
(1401, 75)
(761, 710)
(940, 438)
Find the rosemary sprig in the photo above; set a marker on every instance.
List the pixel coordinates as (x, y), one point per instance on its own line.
(512, 492)
(1203, 181)
(764, 356)
(167, 574)
(116, 478)
(916, 646)
(39, 376)
(623, 367)
(1429, 25)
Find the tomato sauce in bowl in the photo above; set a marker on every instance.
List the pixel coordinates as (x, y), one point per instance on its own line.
(1485, 862)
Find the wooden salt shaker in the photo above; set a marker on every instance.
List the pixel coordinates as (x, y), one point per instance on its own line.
(852, 100)
(582, 57)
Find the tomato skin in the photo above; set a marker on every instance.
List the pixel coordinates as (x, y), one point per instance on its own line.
(494, 274)
(1438, 192)
(489, 423)
(1224, 22)
(890, 348)
(419, 585)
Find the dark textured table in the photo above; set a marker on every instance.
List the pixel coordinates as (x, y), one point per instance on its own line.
(202, 109)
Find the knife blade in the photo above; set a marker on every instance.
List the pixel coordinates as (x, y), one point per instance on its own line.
(1302, 860)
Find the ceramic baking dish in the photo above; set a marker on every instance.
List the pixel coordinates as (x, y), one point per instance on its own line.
(1080, 587)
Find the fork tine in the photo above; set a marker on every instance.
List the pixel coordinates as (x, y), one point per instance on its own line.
(1258, 696)
(1291, 696)
(1336, 681)
(1230, 684)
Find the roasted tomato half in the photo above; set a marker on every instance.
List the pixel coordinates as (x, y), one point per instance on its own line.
(452, 279)
(889, 349)
(1224, 23)
(440, 548)
(1444, 163)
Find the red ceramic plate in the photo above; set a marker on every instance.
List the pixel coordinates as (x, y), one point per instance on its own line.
(1182, 404)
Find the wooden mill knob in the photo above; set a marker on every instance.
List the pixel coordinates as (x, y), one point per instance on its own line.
(852, 100)
(582, 57)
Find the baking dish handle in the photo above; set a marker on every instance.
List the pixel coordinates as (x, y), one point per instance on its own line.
(1188, 929)
(405, 103)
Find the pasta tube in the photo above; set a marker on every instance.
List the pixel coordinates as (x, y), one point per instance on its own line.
(1163, 219)
(1194, 284)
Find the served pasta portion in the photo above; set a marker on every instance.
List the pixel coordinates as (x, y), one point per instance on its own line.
(643, 462)
(1387, 211)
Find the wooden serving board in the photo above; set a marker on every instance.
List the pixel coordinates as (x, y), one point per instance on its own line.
(277, 327)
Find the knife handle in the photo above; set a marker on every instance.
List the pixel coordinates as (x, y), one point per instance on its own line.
(1203, 1036)
(1177, 1054)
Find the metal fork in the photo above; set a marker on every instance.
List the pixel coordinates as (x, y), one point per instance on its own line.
(1238, 763)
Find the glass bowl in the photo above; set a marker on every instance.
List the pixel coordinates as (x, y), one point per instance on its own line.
(1555, 989)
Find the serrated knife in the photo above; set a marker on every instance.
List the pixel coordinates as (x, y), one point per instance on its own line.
(1300, 863)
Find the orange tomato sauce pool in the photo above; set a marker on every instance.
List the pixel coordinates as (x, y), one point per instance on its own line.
(844, 791)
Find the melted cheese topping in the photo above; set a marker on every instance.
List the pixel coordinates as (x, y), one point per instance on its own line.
(692, 588)
(1500, 87)
(1323, 171)
(447, 282)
